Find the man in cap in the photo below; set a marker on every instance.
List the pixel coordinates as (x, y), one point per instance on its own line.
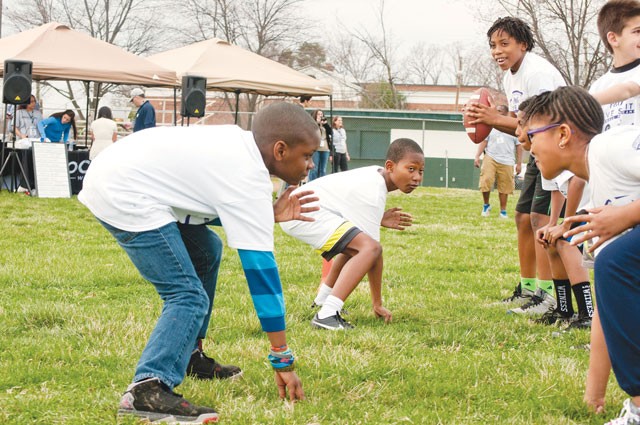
(146, 115)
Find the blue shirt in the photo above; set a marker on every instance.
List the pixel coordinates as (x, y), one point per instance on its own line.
(145, 117)
(53, 129)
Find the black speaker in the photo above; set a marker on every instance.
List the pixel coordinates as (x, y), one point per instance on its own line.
(16, 88)
(194, 96)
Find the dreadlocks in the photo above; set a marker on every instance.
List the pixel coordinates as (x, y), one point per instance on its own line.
(516, 28)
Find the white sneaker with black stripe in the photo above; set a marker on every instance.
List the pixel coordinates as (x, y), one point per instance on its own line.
(540, 303)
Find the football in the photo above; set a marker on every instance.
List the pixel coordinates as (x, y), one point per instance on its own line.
(477, 132)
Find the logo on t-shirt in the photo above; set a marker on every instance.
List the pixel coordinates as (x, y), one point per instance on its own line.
(514, 100)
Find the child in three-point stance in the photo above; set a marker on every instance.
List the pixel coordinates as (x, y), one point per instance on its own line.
(347, 227)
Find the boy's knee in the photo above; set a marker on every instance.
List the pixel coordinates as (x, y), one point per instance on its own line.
(523, 220)
(375, 247)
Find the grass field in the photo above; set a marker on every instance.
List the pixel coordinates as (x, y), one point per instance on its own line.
(75, 315)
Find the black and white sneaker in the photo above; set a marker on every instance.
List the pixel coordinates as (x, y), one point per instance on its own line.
(540, 303)
(156, 402)
(553, 317)
(202, 366)
(519, 294)
(333, 323)
(579, 322)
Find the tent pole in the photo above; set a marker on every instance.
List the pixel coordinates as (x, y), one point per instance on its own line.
(237, 105)
(175, 106)
(86, 116)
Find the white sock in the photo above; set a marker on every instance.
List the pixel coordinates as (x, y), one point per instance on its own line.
(331, 306)
(323, 293)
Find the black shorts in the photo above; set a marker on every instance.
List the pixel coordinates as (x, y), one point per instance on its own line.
(533, 198)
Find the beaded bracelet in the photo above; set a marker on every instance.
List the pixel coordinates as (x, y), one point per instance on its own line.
(281, 359)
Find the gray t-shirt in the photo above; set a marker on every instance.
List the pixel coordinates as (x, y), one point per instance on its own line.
(501, 147)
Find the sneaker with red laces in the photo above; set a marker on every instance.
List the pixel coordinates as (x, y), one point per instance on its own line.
(202, 366)
(155, 402)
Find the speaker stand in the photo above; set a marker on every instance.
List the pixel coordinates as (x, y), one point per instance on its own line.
(13, 158)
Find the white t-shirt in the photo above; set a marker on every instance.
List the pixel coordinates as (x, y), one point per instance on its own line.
(358, 195)
(625, 112)
(561, 184)
(614, 166)
(535, 75)
(340, 140)
(614, 169)
(501, 147)
(103, 129)
(187, 174)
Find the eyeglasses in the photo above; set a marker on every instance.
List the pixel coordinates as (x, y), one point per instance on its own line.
(535, 131)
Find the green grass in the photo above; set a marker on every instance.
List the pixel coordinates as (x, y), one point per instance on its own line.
(75, 315)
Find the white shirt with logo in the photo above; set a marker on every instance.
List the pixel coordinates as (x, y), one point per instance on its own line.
(535, 75)
(626, 112)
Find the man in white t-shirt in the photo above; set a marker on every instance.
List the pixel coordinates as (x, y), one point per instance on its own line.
(155, 191)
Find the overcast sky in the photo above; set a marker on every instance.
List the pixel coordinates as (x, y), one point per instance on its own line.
(410, 21)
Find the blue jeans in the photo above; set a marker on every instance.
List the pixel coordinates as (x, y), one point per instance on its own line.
(320, 159)
(182, 262)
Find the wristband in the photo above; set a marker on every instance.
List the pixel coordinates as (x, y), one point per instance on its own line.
(281, 361)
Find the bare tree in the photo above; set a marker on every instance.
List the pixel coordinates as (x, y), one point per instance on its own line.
(368, 60)
(566, 33)
(425, 63)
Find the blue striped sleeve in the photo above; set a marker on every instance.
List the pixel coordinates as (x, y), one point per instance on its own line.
(262, 276)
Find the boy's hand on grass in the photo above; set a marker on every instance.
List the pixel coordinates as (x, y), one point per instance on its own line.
(289, 381)
(382, 312)
(395, 218)
(594, 404)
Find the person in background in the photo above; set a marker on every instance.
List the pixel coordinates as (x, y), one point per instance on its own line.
(501, 152)
(341, 153)
(305, 100)
(146, 115)
(27, 119)
(56, 127)
(321, 156)
(104, 132)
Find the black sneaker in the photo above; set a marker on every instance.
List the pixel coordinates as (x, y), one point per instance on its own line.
(333, 323)
(579, 322)
(519, 295)
(203, 367)
(154, 401)
(552, 317)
